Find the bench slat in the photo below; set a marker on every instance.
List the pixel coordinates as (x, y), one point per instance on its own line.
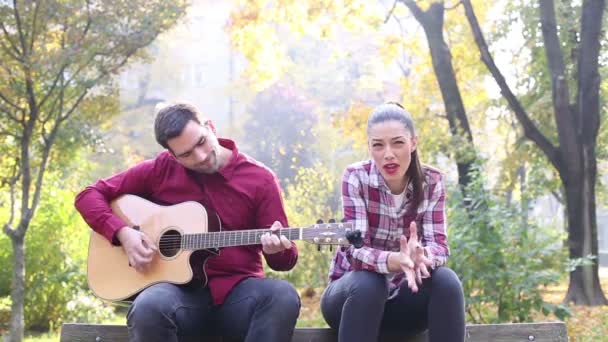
(510, 332)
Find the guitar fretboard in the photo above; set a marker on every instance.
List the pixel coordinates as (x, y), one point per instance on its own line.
(233, 238)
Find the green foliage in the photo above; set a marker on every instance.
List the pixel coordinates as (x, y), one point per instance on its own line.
(57, 65)
(311, 196)
(5, 313)
(56, 263)
(503, 261)
(5, 265)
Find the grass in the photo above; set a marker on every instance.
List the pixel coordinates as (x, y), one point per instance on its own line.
(586, 324)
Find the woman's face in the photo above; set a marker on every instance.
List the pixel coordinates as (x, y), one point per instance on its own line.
(391, 145)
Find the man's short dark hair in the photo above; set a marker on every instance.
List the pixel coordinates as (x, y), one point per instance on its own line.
(171, 120)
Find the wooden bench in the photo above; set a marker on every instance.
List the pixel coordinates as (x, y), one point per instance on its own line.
(511, 332)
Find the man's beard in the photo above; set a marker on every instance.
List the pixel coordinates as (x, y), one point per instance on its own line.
(214, 166)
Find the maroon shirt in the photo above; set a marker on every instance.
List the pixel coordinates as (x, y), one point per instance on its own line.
(244, 193)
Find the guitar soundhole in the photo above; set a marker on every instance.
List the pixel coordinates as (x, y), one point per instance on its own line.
(170, 243)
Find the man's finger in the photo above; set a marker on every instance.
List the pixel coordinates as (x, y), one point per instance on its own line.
(276, 226)
(148, 243)
(274, 240)
(263, 239)
(144, 251)
(131, 261)
(285, 242)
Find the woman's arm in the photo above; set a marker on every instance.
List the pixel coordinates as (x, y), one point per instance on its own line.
(434, 223)
(355, 210)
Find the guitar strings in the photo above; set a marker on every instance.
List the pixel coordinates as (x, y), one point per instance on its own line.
(224, 238)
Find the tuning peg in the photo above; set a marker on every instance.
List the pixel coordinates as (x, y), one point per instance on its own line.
(331, 248)
(319, 221)
(318, 248)
(332, 220)
(354, 237)
(343, 220)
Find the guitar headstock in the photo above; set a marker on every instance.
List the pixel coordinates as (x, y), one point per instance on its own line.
(332, 233)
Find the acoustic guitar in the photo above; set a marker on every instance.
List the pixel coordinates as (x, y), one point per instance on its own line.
(178, 231)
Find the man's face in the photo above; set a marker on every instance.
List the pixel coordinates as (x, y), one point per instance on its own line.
(196, 148)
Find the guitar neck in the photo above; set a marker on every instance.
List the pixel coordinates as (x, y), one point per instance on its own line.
(230, 238)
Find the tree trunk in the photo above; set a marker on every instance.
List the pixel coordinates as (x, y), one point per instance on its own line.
(584, 287)
(432, 23)
(577, 128)
(17, 289)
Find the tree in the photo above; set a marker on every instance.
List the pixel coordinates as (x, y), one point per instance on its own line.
(432, 20)
(57, 62)
(259, 40)
(577, 121)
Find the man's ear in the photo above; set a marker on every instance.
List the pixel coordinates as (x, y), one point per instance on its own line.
(209, 124)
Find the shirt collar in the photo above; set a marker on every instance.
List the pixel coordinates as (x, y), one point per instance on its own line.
(227, 170)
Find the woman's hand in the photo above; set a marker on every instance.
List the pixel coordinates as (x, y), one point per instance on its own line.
(410, 259)
(407, 264)
(419, 259)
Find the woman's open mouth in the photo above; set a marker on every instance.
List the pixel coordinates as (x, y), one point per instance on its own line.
(391, 168)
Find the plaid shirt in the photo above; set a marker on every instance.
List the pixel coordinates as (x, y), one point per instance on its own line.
(367, 202)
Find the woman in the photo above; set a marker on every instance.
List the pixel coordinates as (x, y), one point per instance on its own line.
(397, 280)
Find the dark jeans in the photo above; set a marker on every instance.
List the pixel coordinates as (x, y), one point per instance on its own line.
(255, 310)
(356, 306)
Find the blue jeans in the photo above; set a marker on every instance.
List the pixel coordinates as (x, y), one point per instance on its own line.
(356, 306)
(255, 310)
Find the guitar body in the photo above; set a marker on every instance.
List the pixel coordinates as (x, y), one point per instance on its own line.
(109, 274)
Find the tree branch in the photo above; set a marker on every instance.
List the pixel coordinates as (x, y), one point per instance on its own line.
(8, 113)
(9, 52)
(449, 8)
(5, 99)
(530, 129)
(564, 119)
(20, 30)
(74, 106)
(94, 82)
(4, 133)
(35, 17)
(587, 100)
(8, 37)
(55, 81)
(415, 9)
(89, 22)
(12, 182)
(61, 70)
(40, 177)
(390, 12)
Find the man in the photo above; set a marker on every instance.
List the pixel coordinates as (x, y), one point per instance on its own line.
(238, 302)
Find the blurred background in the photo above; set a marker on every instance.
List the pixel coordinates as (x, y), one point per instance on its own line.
(508, 97)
